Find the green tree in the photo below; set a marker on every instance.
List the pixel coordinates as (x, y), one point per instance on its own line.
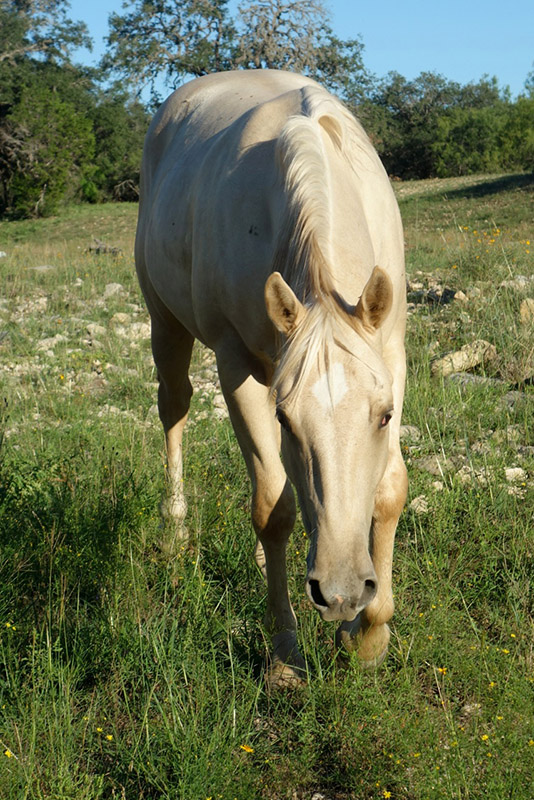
(412, 109)
(340, 67)
(168, 39)
(517, 135)
(428, 126)
(61, 137)
(529, 84)
(467, 141)
(296, 35)
(483, 94)
(54, 143)
(39, 28)
(44, 139)
(119, 126)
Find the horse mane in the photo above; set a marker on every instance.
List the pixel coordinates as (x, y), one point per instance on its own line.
(303, 252)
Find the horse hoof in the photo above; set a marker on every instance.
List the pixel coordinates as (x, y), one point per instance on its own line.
(373, 663)
(172, 545)
(284, 676)
(174, 534)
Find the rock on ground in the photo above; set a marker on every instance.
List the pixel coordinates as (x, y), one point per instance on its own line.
(469, 356)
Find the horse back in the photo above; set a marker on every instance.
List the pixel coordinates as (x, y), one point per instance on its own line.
(214, 200)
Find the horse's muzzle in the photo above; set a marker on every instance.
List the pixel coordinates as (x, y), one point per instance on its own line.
(341, 605)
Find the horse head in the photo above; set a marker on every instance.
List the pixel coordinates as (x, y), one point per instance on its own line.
(334, 403)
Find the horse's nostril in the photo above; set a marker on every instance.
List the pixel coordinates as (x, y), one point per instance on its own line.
(369, 591)
(316, 593)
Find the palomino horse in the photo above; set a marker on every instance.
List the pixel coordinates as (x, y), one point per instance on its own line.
(264, 212)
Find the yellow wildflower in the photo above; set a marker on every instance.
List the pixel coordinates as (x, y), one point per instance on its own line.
(247, 748)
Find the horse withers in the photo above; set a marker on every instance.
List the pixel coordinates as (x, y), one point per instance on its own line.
(269, 231)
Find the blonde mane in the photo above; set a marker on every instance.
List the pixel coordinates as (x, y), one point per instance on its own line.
(303, 253)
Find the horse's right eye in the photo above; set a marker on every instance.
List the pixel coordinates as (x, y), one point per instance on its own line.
(283, 420)
(384, 422)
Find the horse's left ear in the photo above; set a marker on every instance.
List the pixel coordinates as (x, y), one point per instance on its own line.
(283, 306)
(375, 303)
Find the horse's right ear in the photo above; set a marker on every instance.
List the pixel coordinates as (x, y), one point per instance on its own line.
(283, 306)
(375, 303)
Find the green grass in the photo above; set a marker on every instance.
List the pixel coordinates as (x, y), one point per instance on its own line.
(124, 675)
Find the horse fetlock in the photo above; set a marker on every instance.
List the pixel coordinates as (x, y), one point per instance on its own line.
(173, 508)
(174, 532)
(285, 646)
(280, 623)
(368, 643)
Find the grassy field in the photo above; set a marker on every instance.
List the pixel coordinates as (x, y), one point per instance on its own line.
(124, 675)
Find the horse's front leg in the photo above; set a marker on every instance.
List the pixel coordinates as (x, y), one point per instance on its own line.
(368, 635)
(273, 505)
(273, 517)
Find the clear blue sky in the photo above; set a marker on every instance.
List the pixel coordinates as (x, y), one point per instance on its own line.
(460, 39)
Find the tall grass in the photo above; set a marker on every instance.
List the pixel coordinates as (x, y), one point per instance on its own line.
(124, 674)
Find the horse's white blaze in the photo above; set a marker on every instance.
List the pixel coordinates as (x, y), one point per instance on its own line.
(331, 387)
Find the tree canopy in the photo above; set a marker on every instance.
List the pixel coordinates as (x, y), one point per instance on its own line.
(39, 28)
(69, 133)
(169, 40)
(165, 41)
(54, 141)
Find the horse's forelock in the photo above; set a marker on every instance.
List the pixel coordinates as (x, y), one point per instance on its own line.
(301, 350)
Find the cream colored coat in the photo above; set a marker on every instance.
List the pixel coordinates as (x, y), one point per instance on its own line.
(264, 213)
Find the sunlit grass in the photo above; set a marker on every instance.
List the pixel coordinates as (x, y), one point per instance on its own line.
(124, 674)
